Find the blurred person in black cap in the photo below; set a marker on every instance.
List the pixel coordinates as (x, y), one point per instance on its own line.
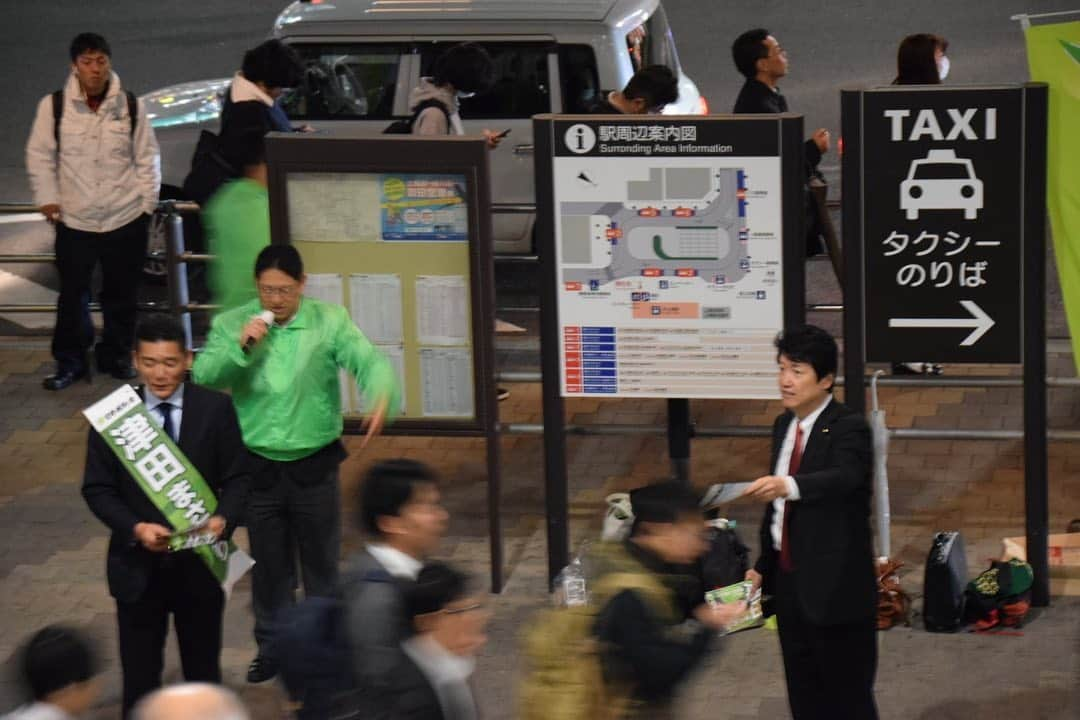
(657, 633)
(58, 666)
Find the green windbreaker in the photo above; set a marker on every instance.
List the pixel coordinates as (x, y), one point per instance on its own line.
(286, 390)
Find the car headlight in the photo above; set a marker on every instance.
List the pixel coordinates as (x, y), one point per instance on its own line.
(915, 191)
(967, 191)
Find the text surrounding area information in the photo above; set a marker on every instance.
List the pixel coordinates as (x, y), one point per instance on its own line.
(669, 247)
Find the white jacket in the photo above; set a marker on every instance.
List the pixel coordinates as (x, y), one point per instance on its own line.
(105, 177)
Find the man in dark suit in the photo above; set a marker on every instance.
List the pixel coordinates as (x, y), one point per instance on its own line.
(147, 581)
(816, 552)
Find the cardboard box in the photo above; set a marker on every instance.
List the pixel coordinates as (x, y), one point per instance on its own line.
(1064, 560)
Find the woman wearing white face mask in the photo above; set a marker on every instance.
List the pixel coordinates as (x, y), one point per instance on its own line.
(921, 60)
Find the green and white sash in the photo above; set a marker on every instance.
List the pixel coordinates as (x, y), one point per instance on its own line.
(169, 479)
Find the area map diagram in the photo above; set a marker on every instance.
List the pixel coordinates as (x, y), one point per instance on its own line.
(679, 222)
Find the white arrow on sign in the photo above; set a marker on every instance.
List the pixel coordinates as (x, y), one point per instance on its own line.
(979, 320)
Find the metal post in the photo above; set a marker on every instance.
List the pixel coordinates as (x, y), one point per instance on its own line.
(556, 485)
(177, 270)
(679, 431)
(851, 184)
(1036, 480)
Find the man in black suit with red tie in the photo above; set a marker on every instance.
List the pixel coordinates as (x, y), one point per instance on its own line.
(147, 581)
(816, 551)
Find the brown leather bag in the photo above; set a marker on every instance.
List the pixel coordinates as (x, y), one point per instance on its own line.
(894, 605)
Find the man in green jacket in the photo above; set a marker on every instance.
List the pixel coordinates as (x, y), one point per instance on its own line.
(283, 373)
(237, 223)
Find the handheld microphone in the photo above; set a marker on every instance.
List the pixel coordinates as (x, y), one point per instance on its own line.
(268, 318)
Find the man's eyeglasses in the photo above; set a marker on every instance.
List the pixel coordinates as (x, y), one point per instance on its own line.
(270, 291)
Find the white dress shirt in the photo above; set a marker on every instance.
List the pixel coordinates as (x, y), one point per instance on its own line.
(176, 415)
(447, 673)
(38, 711)
(781, 469)
(395, 562)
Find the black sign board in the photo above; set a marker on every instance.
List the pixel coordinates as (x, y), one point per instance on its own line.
(942, 219)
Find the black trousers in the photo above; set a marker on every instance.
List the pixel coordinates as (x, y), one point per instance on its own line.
(182, 585)
(289, 516)
(121, 253)
(829, 668)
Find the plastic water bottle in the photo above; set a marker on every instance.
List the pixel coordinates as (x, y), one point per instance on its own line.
(572, 582)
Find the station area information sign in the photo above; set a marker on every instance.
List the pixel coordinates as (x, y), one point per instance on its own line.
(668, 239)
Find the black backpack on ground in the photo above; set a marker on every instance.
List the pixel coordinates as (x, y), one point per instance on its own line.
(404, 126)
(726, 560)
(944, 583)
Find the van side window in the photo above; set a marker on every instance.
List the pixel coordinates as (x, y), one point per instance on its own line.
(580, 82)
(652, 43)
(521, 87)
(345, 82)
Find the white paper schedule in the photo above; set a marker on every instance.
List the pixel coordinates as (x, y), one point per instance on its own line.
(333, 207)
(375, 305)
(396, 355)
(324, 286)
(446, 377)
(442, 307)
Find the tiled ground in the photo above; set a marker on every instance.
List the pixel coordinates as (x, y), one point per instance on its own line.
(52, 549)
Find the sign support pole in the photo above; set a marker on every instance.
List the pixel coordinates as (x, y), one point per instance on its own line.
(556, 483)
(1036, 480)
(854, 311)
(679, 430)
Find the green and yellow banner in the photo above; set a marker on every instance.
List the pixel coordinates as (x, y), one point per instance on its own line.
(1054, 58)
(168, 478)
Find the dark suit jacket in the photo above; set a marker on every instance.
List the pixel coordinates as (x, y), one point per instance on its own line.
(757, 97)
(210, 437)
(412, 697)
(829, 527)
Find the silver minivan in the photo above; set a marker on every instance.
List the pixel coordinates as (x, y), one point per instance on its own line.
(362, 58)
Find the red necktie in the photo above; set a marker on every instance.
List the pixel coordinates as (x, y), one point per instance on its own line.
(793, 467)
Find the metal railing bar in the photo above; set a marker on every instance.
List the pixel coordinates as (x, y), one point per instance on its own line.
(763, 431)
(94, 307)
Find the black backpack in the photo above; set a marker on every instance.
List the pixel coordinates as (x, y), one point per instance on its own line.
(314, 653)
(404, 126)
(209, 169)
(726, 560)
(944, 583)
(58, 112)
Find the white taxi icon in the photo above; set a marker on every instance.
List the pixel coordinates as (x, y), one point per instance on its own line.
(941, 181)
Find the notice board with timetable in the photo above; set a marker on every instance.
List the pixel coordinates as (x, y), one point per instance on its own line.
(405, 247)
(677, 246)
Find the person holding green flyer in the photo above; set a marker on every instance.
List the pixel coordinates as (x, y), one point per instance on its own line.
(146, 501)
(281, 355)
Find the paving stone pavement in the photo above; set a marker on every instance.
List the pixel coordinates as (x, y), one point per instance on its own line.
(52, 549)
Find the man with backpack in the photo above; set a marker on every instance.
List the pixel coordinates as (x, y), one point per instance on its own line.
(95, 172)
(401, 514)
(338, 657)
(460, 73)
(644, 627)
